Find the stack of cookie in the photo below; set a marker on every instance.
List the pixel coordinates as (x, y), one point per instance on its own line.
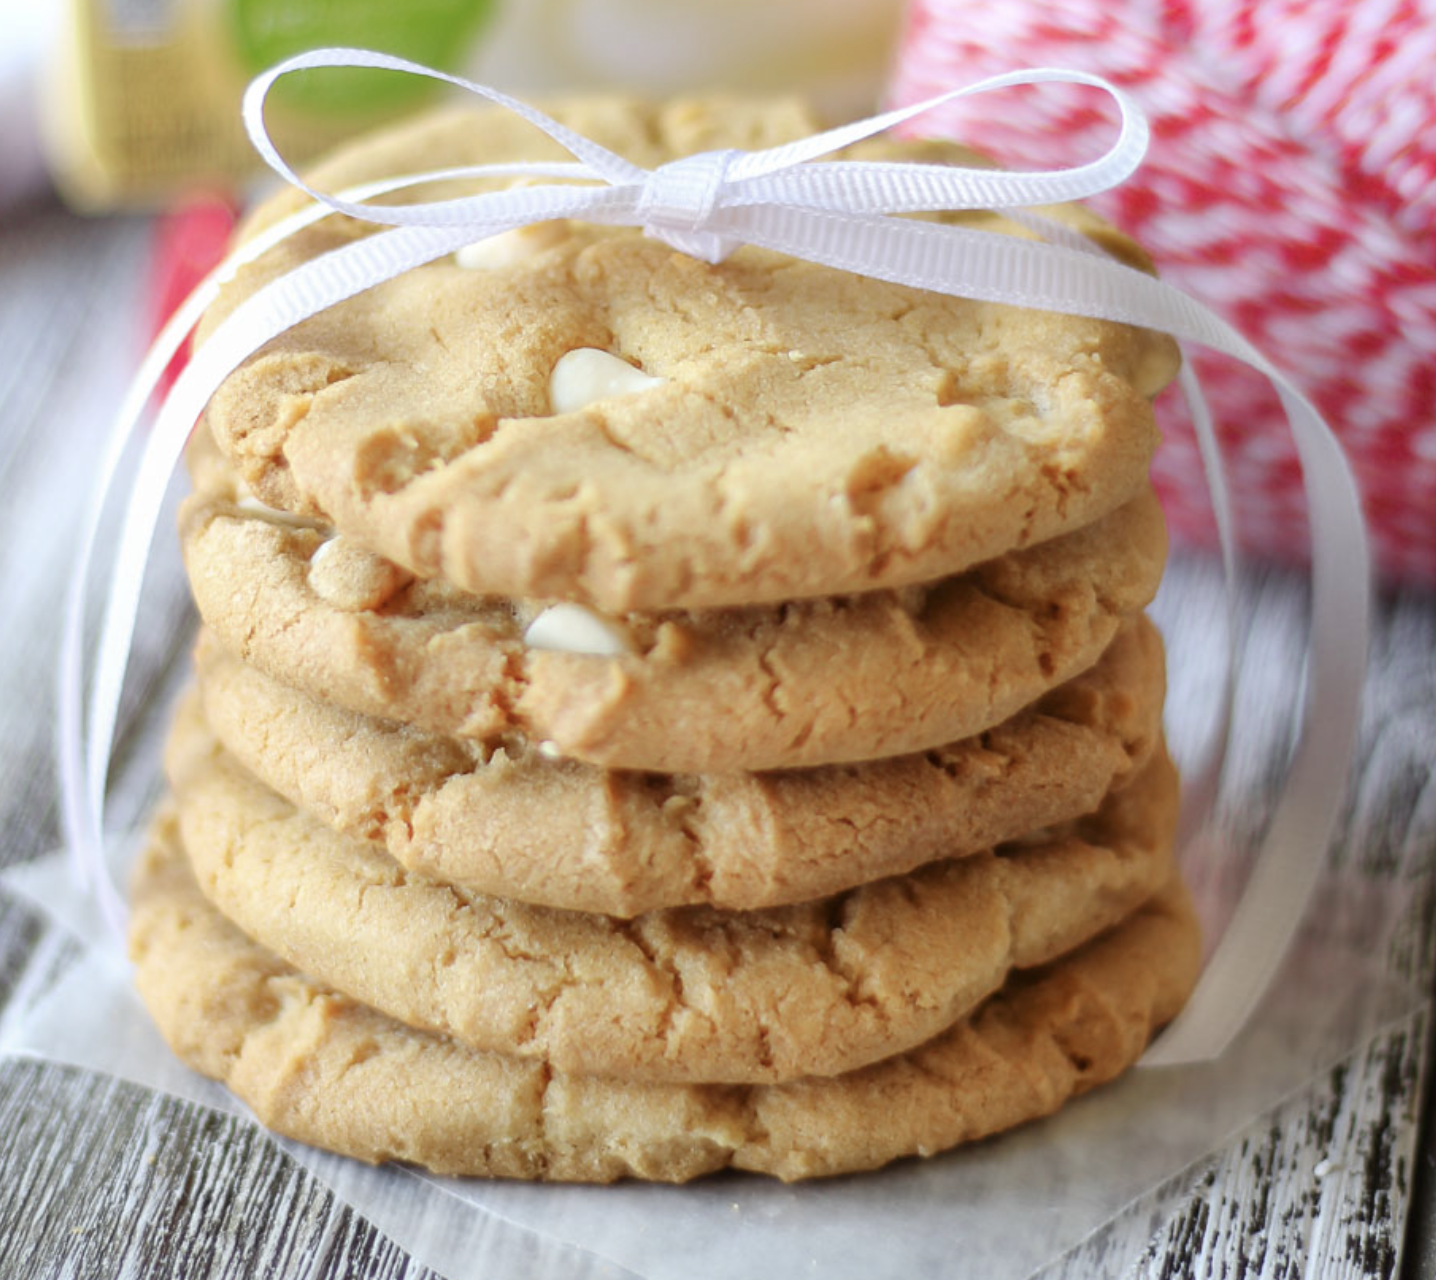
(655, 717)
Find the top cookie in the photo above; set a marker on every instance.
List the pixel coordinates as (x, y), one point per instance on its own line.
(801, 431)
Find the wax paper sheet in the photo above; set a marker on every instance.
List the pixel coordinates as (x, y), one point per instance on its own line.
(1000, 1209)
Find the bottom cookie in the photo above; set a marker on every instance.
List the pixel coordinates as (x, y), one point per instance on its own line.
(319, 1067)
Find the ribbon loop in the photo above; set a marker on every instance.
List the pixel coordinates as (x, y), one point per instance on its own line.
(672, 201)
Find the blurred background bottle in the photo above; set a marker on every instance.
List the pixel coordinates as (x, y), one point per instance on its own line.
(141, 101)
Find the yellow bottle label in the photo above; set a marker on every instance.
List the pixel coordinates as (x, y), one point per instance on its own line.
(144, 102)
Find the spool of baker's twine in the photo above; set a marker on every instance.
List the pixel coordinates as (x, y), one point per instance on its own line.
(1291, 187)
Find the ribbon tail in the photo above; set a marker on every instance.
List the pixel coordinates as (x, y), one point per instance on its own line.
(81, 817)
(1200, 786)
(84, 744)
(1026, 273)
(1202, 777)
(1292, 854)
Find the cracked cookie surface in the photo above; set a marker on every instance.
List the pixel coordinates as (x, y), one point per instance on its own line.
(686, 994)
(318, 1066)
(812, 432)
(768, 686)
(506, 821)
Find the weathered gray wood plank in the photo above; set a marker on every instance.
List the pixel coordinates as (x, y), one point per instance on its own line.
(1419, 1254)
(108, 1179)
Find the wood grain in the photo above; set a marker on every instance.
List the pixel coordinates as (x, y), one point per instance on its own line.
(100, 1178)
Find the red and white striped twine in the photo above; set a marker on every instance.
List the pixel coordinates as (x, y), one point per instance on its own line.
(1291, 185)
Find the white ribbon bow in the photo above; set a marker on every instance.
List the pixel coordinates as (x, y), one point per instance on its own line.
(838, 214)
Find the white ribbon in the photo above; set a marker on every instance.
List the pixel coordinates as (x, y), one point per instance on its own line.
(838, 214)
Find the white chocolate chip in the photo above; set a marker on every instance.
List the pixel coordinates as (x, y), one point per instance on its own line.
(509, 248)
(352, 579)
(572, 628)
(251, 505)
(587, 374)
(549, 750)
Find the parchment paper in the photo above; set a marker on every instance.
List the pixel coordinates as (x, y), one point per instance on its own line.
(1001, 1209)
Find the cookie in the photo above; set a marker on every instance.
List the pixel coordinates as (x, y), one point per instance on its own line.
(508, 822)
(319, 1067)
(687, 994)
(776, 430)
(764, 687)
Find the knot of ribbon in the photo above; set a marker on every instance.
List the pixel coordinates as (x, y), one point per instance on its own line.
(678, 202)
(836, 213)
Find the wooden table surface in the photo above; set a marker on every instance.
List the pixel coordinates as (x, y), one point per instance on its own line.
(100, 1178)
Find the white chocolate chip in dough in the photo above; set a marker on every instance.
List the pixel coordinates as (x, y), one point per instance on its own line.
(252, 506)
(550, 750)
(572, 628)
(509, 248)
(352, 579)
(587, 374)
